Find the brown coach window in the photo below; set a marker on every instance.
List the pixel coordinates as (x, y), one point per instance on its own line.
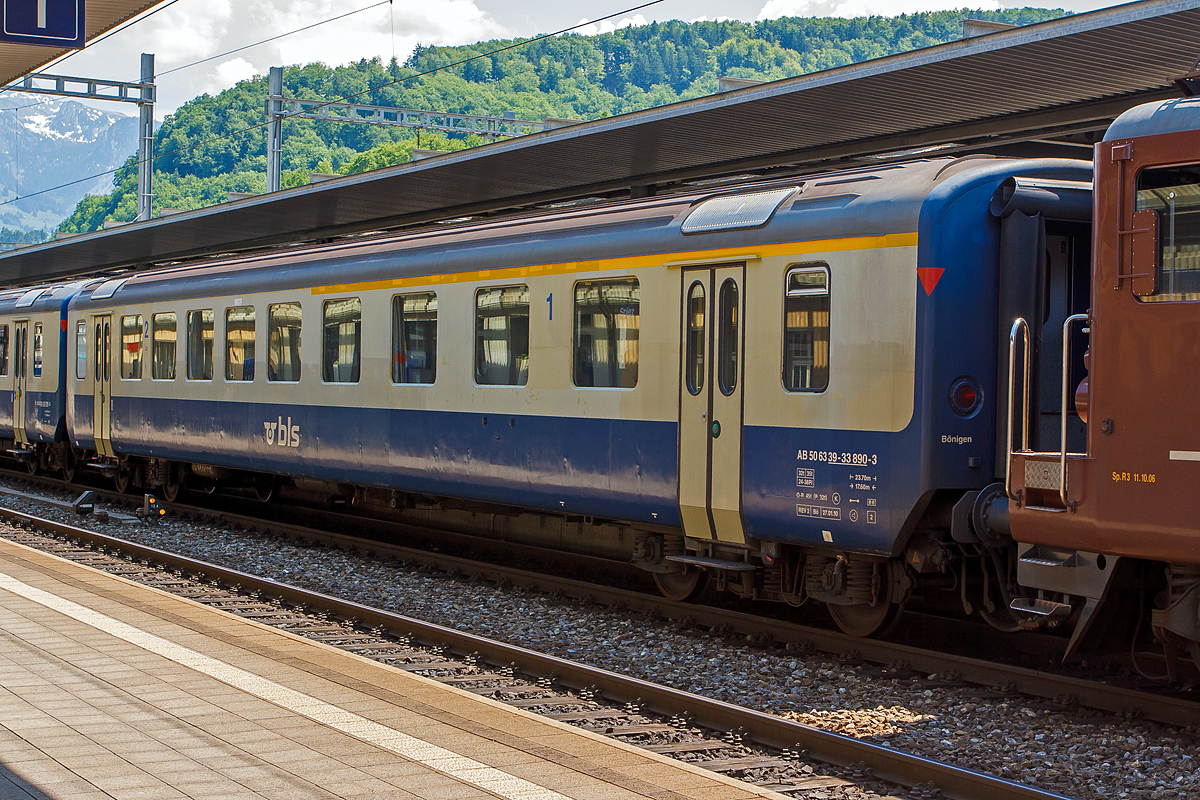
(1174, 192)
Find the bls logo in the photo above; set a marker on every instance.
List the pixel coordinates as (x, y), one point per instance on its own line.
(289, 434)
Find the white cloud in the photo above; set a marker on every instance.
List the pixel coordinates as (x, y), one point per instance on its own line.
(191, 30)
(608, 25)
(864, 8)
(711, 19)
(227, 73)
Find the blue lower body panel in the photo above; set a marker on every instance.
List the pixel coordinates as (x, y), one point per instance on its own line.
(6, 413)
(44, 416)
(849, 490)
(616, 469)
(83, 407)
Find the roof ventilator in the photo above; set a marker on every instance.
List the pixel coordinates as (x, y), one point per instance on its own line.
(28, 299)
(731, 212)
(108, 288)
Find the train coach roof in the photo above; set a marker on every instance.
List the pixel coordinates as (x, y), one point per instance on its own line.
(38, 299)
(1063, 77)
(1148, 119)
(888, 199)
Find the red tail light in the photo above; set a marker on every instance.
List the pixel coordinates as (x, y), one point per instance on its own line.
(965, 397)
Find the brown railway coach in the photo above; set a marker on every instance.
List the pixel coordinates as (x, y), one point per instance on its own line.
(1118, 524)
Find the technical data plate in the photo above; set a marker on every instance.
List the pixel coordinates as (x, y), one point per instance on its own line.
(1043, 475)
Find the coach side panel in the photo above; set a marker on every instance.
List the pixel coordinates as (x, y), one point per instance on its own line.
(594, 451)
(828, 461)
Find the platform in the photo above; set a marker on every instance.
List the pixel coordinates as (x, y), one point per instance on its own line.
(111, 689)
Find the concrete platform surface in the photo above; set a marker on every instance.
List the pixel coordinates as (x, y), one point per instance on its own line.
(110, 689)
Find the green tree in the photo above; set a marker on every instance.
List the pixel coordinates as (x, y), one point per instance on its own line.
(213, 145)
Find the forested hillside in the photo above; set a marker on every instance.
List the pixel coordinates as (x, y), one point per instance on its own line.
(214, 145)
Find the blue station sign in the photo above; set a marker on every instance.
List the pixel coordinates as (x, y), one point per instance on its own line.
(54, 23)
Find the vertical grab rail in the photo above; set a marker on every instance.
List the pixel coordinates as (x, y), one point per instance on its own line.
(1066, 366)
(1022, 326)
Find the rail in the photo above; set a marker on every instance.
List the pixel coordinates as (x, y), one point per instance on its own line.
(888, 764)
(1056, 688)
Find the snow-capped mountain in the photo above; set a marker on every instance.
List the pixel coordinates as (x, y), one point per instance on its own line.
(49, 142)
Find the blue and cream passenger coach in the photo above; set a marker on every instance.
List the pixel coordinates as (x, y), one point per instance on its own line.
(783, 386)
(33, 356)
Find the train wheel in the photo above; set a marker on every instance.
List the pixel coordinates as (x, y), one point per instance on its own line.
(264, 488)
(70, 468)
(173, 486)
(121, 479)
(33, 464)
(680, 586)
(862, 620)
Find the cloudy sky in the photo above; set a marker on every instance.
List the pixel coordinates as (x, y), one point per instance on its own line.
(191, 30)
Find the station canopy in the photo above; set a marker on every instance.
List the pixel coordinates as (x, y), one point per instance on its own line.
(1055, 84)
(101, 16)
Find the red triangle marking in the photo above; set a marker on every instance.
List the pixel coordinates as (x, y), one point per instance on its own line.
(929, 277)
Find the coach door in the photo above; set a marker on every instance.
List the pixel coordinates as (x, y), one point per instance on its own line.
(20, 364)
(102, 384)
(710, 404)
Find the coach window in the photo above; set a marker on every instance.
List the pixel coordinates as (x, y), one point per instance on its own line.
(502, 336)
(727, 337)
(200, 345)
(606, 333)
(283, 342)
(81, 351)
(3, 349)
(694, 364)
(414, 338)
(38, 348)
(239, 343)
(341, 347)
(131, 348)
(1174, 192)
(806, 329)
(162, 367)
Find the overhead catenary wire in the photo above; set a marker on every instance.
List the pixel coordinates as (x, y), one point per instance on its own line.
(29, 105)
(243, 47)
(337, 101)
(54, 62)
(279, 36)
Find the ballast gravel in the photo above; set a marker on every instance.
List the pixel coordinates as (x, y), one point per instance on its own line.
(1076, 752)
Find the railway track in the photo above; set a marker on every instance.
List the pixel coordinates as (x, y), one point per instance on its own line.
(900, 660)
(761, 748)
